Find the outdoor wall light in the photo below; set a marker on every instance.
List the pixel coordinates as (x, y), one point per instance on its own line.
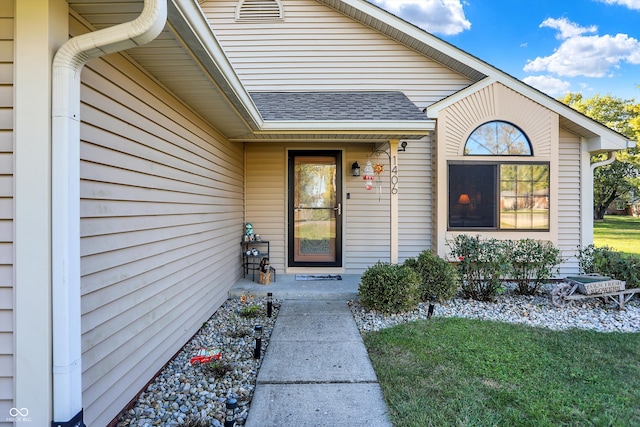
(403, 146)
(355, 169)
(258, 348)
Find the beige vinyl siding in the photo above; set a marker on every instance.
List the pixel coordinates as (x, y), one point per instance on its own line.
(316, 48)
(366, 231)
(569, 215)
(6, 211)
(266, 198)
(161, 216)
(416, 205)
(366, 215)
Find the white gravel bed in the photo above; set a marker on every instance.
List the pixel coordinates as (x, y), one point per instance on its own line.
(538, 311)
(182, 392)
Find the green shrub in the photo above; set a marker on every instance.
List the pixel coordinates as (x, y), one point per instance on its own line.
(216, 368)
(611, 263)
(389, 288)
(532, 263)
(251, 311)
(482, 265)
(439, 278)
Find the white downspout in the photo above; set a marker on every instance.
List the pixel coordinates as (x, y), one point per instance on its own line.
(586, 209)
(611, 157)
(65, 192)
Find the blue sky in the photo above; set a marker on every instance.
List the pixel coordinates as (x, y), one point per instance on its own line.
(557, 46)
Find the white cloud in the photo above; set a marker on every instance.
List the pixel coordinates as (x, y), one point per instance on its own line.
(549, 85)
(585, 55)
(436, 16)
(566, 28)
(590, 56)
(631, 4)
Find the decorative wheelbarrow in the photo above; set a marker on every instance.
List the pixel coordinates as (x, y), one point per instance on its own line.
(592, 286)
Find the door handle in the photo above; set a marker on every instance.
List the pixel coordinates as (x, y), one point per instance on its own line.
(338, 209)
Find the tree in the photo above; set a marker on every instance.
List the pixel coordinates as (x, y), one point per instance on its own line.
(620, 179)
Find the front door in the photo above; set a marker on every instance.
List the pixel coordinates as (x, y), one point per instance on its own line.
(315, 209)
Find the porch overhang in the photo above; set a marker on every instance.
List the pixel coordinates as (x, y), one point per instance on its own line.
(188, 60)
(344, 131)
(368, 116)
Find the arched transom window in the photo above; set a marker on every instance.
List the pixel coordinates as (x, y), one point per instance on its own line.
(497, 138)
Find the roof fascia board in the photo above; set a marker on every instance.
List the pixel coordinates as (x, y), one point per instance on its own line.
(191, 24)
(353, 136)
(434, 109)
(323, 126)
(603, 144)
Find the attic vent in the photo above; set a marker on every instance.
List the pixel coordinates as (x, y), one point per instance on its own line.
(259, 10)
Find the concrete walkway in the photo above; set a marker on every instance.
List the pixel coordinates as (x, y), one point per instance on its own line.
(287, 287)
(316, 371)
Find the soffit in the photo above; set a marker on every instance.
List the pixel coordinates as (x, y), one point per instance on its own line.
(177, 60)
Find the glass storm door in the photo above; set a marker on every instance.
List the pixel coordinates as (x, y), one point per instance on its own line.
(315, 209)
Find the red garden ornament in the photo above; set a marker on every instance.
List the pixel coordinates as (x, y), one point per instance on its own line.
(368, 176)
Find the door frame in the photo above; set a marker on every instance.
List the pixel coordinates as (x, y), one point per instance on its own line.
(291, 154)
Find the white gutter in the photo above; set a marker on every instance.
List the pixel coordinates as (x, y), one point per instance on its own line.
(417, 127)
(65, 192)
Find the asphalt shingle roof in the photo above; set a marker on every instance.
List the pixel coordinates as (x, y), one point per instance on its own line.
(334, 106)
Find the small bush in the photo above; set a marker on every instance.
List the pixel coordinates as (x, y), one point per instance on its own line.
(389, 288)
(439, 277)
(240, 332)
(251, 311)
(217, 369)
(532, 263)
(482, 265)
(611, 263)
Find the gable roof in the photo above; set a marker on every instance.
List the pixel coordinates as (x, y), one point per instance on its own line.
(598, 136)
(190, 62)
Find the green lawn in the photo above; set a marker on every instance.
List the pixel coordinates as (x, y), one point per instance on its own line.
(463, 372)
(621, 233)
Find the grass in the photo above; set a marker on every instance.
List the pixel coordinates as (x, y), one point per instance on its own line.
(621, 233)
(464, 372)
